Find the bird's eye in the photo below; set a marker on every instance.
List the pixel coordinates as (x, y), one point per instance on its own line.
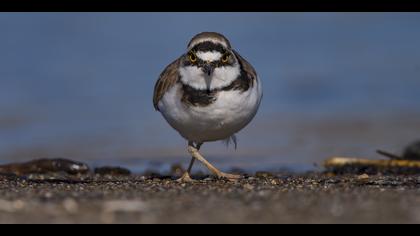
(192, 57)
(225, 58)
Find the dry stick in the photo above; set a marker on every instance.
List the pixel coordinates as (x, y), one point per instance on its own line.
(389, 155)
(344, 161)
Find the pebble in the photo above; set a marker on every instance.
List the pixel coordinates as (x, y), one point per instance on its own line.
(262, 174)
(71, 206)
(48, 195)
(363, 177)
(248, 187)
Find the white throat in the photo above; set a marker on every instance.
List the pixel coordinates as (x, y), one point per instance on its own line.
(221, 77)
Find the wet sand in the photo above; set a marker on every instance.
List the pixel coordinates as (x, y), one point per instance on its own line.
(265, 198)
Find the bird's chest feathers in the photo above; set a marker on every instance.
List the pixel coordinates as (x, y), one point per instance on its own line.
(230, 97)
(219, 106)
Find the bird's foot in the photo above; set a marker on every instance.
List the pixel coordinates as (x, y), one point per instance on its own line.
(196, 154)
(229, 177)
(186, 178)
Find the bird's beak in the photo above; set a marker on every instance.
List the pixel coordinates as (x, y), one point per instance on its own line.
(208, 68)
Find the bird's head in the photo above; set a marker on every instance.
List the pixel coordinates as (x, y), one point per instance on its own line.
(209, 62)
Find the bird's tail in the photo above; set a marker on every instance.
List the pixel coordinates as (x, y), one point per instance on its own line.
(231, 139)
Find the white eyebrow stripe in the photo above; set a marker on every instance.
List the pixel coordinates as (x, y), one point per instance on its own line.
(209, 56)
(216, 41)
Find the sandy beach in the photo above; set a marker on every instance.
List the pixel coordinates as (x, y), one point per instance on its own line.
(265, 198)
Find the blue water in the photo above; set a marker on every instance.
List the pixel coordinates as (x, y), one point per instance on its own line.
(79, 85)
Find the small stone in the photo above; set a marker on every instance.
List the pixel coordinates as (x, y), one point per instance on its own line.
(18, 204)
(248, 187)
(363, 177)
(177, 170)
(71, 206)
(263, 174)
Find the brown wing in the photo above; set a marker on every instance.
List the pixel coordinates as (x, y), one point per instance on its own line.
(167, 79)
(250, 71)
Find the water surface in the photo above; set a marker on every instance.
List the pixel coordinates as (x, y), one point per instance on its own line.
(80, 85)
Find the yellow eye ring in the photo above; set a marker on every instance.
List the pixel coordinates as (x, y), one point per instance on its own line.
(225, 58)
(192, 57)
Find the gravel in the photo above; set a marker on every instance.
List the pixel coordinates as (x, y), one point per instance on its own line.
(262, 198)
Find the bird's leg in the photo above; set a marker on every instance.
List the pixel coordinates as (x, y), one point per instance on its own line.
(186, 176)
(196, 154)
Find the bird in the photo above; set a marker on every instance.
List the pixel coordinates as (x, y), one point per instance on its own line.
(208, 94)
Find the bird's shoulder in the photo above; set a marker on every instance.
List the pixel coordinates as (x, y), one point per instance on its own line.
(167, 79)
(246, 67)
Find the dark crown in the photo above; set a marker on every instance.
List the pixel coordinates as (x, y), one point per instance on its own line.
(210, 36)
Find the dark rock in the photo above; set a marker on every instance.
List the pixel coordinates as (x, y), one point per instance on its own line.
(43, 166)
(412, 152)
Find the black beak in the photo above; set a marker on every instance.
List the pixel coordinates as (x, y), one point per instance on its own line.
(208, 69)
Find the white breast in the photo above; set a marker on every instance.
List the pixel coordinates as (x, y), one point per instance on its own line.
(230, 113)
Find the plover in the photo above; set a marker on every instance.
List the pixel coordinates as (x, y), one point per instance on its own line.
(208, 94)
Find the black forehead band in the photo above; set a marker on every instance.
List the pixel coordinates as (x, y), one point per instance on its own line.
(209, 46)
